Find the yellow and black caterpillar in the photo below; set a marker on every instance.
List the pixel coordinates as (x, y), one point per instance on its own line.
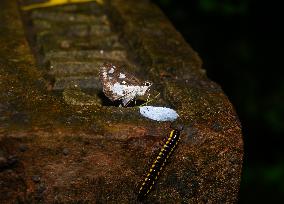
(158, 164)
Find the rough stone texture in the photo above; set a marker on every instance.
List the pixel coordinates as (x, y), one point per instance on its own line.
(79, 147)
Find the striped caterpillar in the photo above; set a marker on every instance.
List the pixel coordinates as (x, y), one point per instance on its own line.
(158, 164)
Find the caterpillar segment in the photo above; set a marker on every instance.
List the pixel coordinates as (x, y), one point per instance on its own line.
(159, 163)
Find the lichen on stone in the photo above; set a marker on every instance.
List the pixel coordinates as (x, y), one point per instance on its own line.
(74, 96)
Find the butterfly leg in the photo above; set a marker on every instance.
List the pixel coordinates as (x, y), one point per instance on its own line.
(127, 100)
(149, 100)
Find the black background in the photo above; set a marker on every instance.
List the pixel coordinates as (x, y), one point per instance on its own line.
(240, 43)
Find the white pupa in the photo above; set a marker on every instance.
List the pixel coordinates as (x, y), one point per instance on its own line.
(159, 113)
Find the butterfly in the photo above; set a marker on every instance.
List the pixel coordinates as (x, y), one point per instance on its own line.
(120, 85)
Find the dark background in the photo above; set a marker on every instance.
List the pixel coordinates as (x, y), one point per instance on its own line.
(239, 42)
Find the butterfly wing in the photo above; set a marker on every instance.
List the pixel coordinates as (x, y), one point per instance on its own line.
(125, 78)
(108, 81)
(117, 83)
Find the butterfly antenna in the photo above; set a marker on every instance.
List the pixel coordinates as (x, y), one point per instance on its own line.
(148, 101)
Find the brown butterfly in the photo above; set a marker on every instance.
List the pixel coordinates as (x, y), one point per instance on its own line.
(120, 85)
